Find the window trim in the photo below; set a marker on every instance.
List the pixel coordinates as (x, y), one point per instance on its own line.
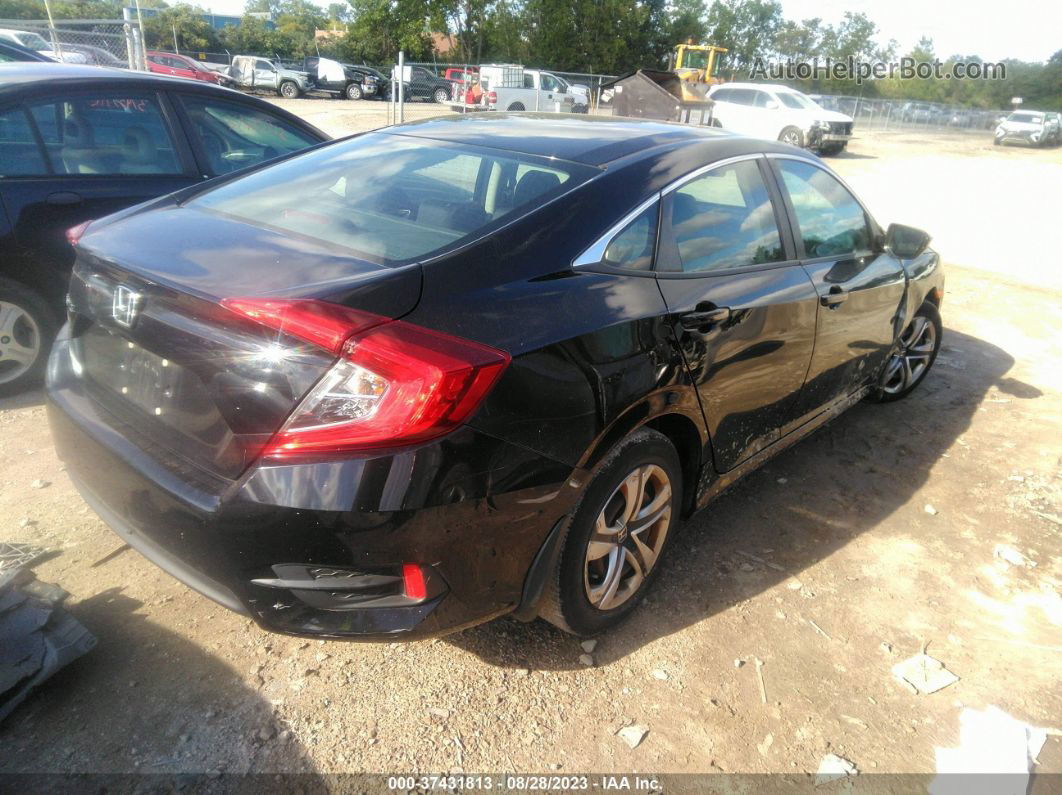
(794, 225)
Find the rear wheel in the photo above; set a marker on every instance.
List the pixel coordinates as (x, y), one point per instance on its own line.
(617, 536)
(441, 95)
(792, 136)
(915, 352)
(27, 327)
(516, 106)
(289, 90)
(354, 91)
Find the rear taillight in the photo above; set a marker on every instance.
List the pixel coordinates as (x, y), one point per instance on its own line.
(75, 233)
(492, 97)
(394, 384)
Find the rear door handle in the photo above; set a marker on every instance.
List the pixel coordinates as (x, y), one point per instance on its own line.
(834, 298)
(701, 318)
(63, 197)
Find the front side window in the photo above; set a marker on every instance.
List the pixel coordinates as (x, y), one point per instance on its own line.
(391, 200)
(19, 154)
(725, 219)
(633, 247)
(113, 134)
(832, 223)
(234, 136)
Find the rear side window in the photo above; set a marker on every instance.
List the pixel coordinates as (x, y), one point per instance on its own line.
(832, 223)
(233, 136)
(633, 248)
(112, 134)
(19, 154)
(388, 199)
(725, 219)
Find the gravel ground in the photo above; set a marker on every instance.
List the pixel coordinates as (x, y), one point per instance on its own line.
(848, 553)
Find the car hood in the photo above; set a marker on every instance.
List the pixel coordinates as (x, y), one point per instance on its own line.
(821, 114)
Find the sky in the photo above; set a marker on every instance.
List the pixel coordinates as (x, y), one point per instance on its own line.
(1030, 30)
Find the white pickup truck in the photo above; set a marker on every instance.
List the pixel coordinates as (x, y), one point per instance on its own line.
(511, 87)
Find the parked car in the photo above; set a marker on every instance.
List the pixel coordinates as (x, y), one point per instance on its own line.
(110, 138)
(36, 42)
(1053, 125)
(580, 94)
(513, 88)
(463, 74)
(345, 80)
(255, 74)
(97, 56)
(9, 51)
(916, 112)
(421, 83)
(775, 112)
(404, 383)
(175, 65)
(1025, 126)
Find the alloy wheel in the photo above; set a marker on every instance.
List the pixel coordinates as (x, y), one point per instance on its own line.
(20, 341)
(912, 356)
(627, 538)
(791, 137)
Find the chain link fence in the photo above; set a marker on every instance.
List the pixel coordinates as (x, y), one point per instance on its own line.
(901, 115)
(100, 42)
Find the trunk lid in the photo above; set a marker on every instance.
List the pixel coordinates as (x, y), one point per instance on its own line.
(193, 380)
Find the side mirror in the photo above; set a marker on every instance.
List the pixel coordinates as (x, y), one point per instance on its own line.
(906, 242)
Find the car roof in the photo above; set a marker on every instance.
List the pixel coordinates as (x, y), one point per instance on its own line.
(591, 140)
(18, 75)
(765, 86)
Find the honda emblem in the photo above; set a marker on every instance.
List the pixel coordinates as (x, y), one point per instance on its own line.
(125, 306)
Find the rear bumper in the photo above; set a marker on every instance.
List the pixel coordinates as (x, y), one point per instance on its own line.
(472, 512)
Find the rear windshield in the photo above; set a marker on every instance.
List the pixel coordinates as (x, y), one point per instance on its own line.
(393, 200)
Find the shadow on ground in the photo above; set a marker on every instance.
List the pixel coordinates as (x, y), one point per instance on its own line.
(842, 481)
(193, 714)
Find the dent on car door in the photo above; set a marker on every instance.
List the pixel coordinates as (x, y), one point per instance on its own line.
(860, 286)
(103, 150)
(743, 309)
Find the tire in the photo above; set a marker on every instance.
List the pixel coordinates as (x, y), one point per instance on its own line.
(27, 328)
(353, 91)
(792, 136)
(915, 353)
(289, 89)
(597, 584)
(441, 96)
(516, 106)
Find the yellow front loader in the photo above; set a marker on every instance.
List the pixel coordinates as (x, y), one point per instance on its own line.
(696, 63)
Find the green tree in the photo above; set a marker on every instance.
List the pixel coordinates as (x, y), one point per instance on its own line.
(747, 28)
(185, 23)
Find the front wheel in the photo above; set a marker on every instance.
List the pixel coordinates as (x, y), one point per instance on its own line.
(27, 328)
(792, 136)
(913, 356)
(289, 90)
(617, 536)
(354, 91)
(441, 95)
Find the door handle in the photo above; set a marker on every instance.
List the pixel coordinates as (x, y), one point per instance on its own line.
(834, 298)
(701, 318)
(63, 198)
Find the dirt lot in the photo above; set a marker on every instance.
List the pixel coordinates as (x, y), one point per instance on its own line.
(847, 554)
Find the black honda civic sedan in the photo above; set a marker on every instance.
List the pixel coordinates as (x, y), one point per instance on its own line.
(422, 377)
